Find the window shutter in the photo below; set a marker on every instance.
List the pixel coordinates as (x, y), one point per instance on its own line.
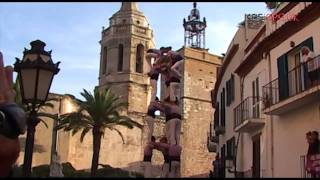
(223, 106)
(308, 42)
(216, 115)
(228, 92)
(257, 87)
(232, 88)
(283, 77)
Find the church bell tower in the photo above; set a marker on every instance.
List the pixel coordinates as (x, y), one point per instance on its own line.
(123, 66)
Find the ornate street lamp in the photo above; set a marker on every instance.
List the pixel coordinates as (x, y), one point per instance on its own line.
(35, 71)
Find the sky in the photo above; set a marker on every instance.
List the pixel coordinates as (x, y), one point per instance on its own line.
(73, 31)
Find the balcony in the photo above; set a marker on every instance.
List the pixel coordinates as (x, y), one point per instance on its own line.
(212, 146)
(219, 129)
(297, 89)
(248, 116)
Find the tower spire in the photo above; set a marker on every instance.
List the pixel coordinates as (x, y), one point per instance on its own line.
(129, 6)
(194, 29)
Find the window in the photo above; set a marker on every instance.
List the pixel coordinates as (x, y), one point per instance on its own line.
(120, 57)
(104, 61)
(223, 105)
(231, 147)
(139, 58)
(230, 90)
(216, 115)
(290, 83)
(256, 97)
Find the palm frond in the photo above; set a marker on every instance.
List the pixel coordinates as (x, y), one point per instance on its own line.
(83, 133)
(119, 132)
(47, 115)
(45, 124)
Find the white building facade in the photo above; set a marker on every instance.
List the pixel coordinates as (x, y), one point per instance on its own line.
(264, 98)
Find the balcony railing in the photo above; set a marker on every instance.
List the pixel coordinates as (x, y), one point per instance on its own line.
(211, 144)
(248, 115)
(301, 78)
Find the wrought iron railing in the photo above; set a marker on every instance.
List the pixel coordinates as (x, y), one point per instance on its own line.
(250, 108)
(300, 78)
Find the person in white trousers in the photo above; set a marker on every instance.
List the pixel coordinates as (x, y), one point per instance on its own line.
(152, 108)
(174, 159)
(147, 158)
(173, 120)
(163, 147)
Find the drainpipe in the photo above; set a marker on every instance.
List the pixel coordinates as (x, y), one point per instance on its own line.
(271, 121)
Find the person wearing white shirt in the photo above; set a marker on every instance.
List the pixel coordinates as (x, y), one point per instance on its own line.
(311, 65)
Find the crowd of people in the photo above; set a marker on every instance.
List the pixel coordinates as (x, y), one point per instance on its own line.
(313, 167)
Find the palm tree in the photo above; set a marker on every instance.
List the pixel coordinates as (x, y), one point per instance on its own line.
(99, 111)
(31, 124)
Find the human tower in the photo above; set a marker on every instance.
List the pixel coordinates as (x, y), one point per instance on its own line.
(168, 63)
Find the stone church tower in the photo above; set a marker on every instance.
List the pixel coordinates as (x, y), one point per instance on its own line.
(123, 65)
(124, 68)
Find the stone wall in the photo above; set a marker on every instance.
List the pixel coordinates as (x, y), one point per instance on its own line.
(199, 77)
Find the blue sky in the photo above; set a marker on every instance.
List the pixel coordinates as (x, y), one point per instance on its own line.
(73, 30)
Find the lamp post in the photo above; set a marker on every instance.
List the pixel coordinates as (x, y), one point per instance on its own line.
(35, 71)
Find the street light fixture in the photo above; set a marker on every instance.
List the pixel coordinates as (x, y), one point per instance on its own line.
(35, 73)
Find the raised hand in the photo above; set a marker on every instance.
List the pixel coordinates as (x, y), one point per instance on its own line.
(10, 148)
(7, 93)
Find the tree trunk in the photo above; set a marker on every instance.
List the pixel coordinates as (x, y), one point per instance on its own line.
(27, 164)
(96, 151)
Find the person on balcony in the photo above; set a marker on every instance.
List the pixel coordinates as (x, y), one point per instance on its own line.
(310, 69)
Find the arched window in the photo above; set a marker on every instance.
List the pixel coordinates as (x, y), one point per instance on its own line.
(104, 60)
(120, 57)
(139, 58)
